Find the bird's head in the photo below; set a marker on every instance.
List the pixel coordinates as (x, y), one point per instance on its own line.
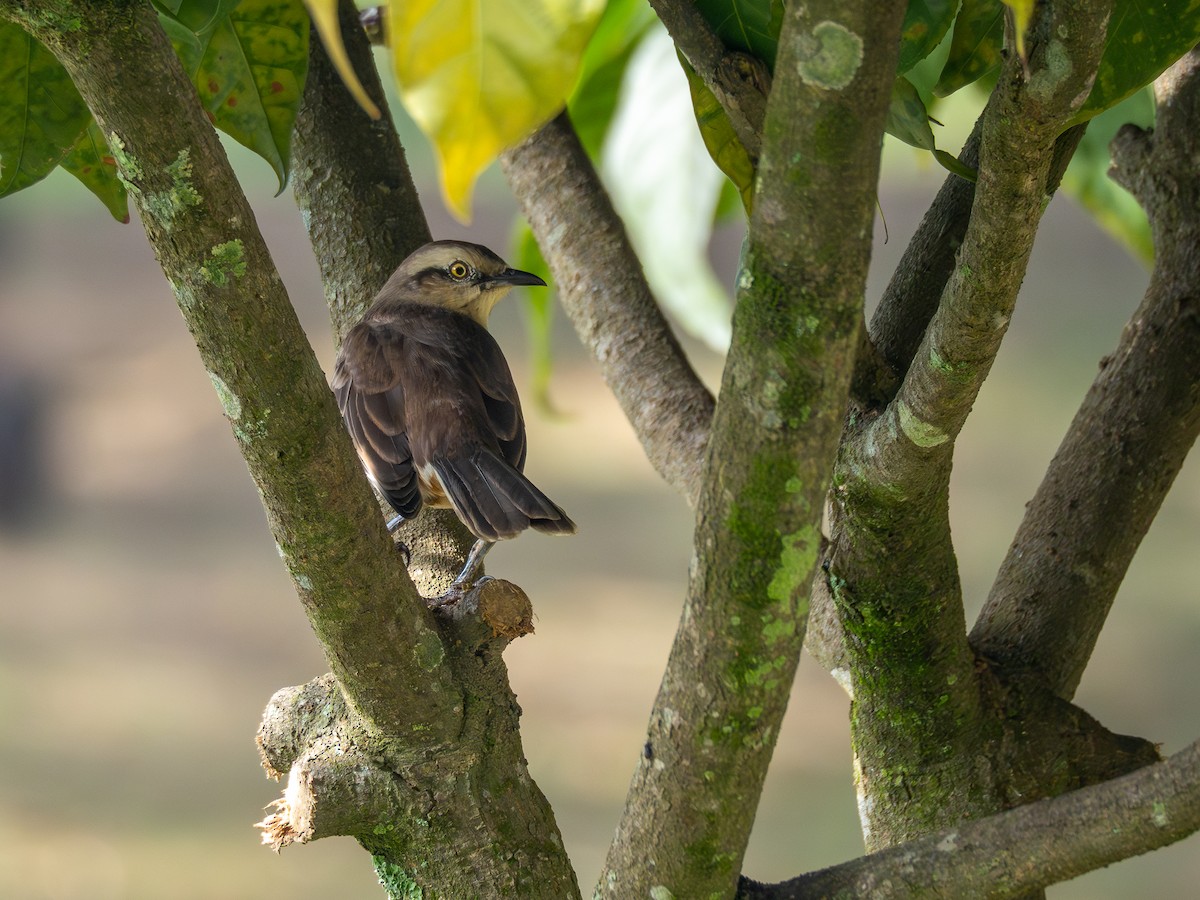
(468, 278)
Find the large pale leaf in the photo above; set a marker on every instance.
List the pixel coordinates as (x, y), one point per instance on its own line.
(41, 112)
(666, 189)
(1087, 180)
(1144, 37)
(248, 62)
(90, 161)
(926, 22)
(478, 77)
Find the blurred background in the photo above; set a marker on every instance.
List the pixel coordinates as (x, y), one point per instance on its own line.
(145, 617)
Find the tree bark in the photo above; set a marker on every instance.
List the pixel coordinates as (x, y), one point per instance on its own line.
(605, 293)
(776, 428)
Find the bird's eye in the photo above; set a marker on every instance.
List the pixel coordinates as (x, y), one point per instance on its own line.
(458, 270)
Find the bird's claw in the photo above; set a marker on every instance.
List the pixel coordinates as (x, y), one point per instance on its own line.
(402, 549)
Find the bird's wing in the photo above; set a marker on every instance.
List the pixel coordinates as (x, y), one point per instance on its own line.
(468, 428)
(461, 352)
(370, 394)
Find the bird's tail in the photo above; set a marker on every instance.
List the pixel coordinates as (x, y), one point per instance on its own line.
(495, 500)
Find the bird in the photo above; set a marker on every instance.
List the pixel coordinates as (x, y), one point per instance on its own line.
(430, 404)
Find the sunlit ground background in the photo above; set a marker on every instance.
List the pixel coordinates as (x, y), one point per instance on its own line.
(146, 618)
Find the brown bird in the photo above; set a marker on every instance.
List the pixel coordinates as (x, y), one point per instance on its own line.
(429, 401)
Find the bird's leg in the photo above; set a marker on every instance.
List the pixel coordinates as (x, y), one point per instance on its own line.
(474, 559)
(394, 523)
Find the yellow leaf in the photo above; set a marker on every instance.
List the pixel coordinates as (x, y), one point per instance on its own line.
(479, 77)
(325, 16)
(1022, 13)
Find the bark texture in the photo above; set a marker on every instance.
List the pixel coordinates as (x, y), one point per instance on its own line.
(783, 395)
(923, 724)
(1025, 849)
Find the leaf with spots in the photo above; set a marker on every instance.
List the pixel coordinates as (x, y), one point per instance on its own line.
(1144, 37)
(91, 162)
(248, 62)
(41, 112)
(926, 22)
(975, 46)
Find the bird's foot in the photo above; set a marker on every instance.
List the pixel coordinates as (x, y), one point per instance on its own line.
(405, 553)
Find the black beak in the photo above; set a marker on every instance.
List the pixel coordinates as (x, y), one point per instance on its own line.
(515, 277)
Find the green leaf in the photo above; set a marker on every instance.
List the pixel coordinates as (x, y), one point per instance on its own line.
(1088, 182)
(926, 22)
(478, 77)
(907, 118)
(1144, 37)
(594, 100)
(719, 137)
(975, 47)
(248, 63)
(91, 162)
(751, 26)
(539, 317)
(41, 112)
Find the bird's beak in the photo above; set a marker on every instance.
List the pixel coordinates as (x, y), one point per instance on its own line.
(514, 277)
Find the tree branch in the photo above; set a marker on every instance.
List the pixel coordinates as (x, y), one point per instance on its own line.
(1132, 432)
(1011, 853)
(351, 180)
(282, 412)
(915, 289)
(740, 83)
(775, 433)
(918, 720)
(603, 290)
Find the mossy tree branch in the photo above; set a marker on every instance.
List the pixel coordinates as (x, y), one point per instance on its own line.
(274, 393)
(1132, 432)
(918, 718)
(775, 432)
(1009, 854)
(604, 291)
